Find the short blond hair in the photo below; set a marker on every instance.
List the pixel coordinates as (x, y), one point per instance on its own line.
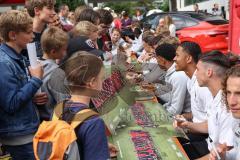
(84, 28)
(53, 38)
(14, 20)
(32, 4)
(79, 10)
(169, 40)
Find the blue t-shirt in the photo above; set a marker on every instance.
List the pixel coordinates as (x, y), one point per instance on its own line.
(91, 136)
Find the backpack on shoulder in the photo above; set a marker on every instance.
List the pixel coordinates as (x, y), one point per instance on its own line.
(56, 139)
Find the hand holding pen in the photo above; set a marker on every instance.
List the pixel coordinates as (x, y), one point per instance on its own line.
(219, 152)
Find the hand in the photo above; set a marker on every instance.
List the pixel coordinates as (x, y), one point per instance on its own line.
(131, 75)
(221, 149)
(139, 78)
(109, 55)
(40, 98)
(129, 40)
(58, 61)
(55, 21)
(113, 150)
(180, 124)
(37, 71)
(148, 56)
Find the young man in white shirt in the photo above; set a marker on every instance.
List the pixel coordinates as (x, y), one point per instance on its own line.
(186, 59)
(210, 69)
(179, 99)
(231, 88)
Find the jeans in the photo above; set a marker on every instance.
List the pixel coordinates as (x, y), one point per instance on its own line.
(21, 152)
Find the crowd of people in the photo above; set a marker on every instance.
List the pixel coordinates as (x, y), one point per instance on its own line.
(216, 10)
(201, 91)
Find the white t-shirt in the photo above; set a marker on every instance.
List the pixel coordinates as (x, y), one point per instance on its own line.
(115, 46)
(137, 45)
(234, 154)
(219, 123)
(172, 30)
(200, 98)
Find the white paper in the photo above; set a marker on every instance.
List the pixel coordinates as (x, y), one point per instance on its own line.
(32, 54)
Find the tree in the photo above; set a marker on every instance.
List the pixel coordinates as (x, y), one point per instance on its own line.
(71, 3)
(119, 7)
(146, 3)
(130, 6)
(165, 6)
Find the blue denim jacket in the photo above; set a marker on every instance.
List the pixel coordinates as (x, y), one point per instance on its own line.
(18, 114)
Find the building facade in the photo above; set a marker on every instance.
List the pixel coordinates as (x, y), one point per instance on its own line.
(204, 5)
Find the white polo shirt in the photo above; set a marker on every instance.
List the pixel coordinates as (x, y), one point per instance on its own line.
(200, 99)
(219, 122)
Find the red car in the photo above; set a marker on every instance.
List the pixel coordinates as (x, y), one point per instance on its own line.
(210, 32)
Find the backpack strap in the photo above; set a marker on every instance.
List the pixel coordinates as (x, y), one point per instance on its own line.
(82, 116)
(58, 111)
(78, 118)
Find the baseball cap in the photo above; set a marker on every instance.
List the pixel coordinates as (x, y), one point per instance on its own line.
(82, 43)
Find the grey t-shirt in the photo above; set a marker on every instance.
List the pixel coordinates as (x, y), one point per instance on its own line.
(54, 96)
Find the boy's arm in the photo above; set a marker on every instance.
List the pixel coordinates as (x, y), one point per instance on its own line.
(206, 157)
(12, 97)
(179, 90)
(94, 140)
(188, 116)
(195, 127)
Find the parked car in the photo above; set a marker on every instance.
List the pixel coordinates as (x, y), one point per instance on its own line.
(210, 32)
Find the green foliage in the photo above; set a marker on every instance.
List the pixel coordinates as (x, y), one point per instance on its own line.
(145, 3)
(189, 2)
(71, 3)
(119, 7)
(165, 6)
(129, 6)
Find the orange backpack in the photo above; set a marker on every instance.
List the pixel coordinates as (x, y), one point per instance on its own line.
(56, 139)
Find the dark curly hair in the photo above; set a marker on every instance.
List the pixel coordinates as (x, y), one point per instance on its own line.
(192, 49)
(105, 16)
(87, 14)
(232, 72)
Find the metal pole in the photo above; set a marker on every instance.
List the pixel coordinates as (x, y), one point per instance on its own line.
(170, 5)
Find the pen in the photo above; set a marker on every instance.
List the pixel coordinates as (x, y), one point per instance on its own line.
(214, 148)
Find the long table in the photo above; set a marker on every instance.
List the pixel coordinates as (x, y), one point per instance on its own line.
(120, 121)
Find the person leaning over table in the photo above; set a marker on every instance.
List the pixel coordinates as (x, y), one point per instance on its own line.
(179, 99)
(84, 75)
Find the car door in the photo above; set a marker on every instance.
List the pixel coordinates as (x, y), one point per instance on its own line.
(183, 21)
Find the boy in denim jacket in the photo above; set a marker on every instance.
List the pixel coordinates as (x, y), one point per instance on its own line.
(18, 85)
